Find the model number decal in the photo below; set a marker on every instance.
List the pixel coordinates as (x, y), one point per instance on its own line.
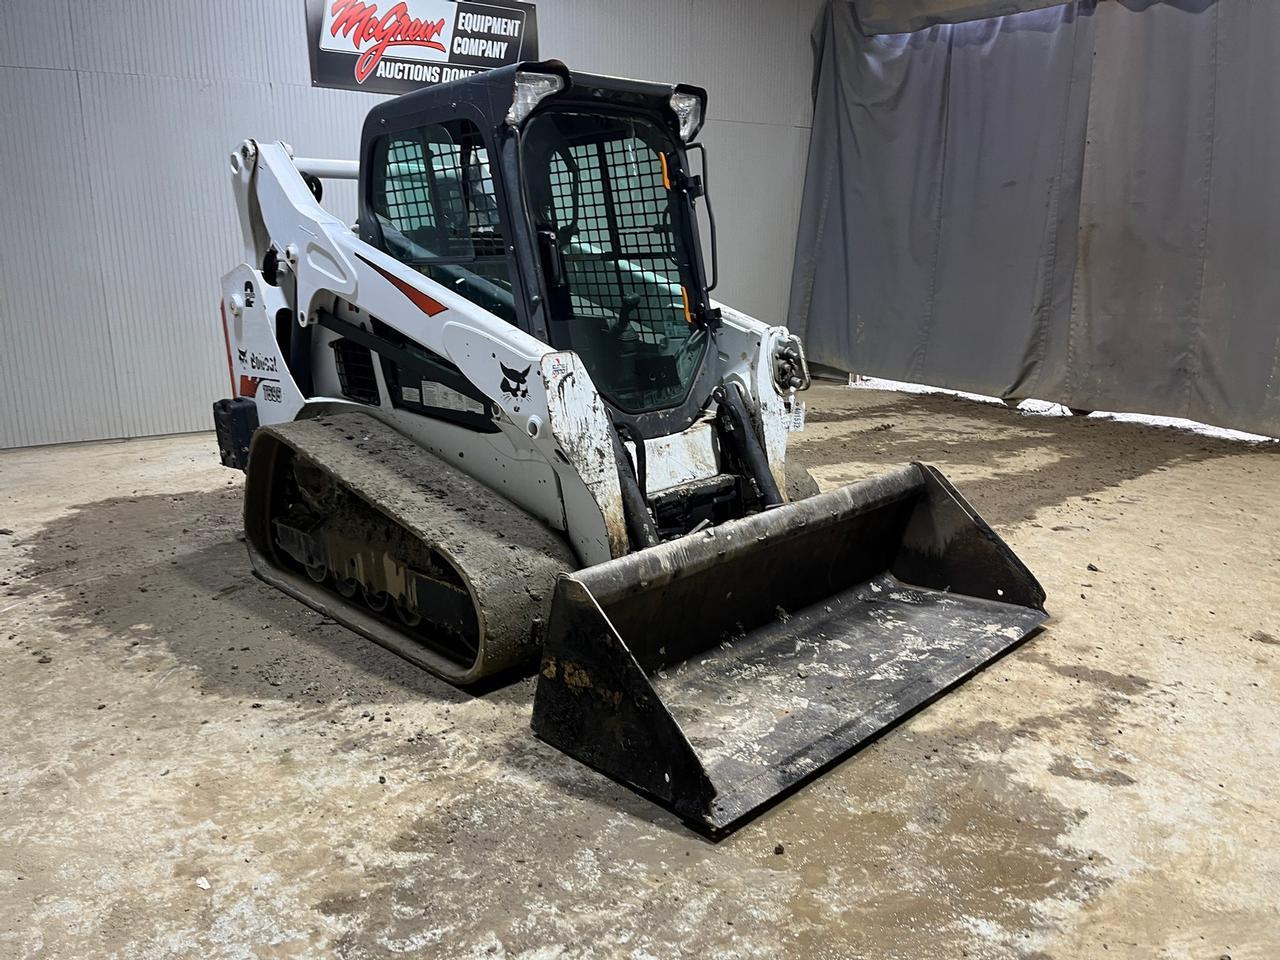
(270, 388)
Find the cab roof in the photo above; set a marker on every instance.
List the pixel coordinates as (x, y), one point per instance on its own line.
(491, 94)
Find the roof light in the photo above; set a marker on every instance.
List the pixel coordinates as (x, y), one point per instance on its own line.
(531, 89)
(688, 110)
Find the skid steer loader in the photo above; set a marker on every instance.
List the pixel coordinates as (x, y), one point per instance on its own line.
(500, 425)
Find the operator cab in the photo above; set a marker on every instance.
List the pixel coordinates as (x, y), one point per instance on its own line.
(563, 203)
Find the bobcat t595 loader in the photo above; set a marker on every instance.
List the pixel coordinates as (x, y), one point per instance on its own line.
(500, 424)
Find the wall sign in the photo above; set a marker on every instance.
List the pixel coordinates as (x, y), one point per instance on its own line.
(394, 46)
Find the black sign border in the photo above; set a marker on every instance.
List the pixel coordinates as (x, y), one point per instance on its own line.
(336, 71)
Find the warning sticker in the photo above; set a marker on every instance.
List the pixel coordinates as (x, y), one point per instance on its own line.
(411, 394)
(438, 395)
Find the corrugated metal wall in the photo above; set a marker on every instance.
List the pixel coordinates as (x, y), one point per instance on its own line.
(119, 116)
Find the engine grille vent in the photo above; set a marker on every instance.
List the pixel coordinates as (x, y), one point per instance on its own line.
(355, 372)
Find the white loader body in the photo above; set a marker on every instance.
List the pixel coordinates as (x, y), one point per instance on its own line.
(552, 454)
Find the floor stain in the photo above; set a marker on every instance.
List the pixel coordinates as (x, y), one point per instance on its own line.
(258, 776)
(1068, 767)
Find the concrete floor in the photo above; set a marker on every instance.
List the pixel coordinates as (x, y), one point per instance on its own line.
(196, 766)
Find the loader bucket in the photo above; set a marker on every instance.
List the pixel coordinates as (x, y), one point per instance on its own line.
(717, 672)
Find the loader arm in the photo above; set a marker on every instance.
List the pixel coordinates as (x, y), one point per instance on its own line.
(550, 425)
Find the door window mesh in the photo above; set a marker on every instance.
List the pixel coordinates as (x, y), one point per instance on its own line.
(437, 210)
(609, 207)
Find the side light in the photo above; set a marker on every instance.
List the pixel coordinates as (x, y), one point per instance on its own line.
(688, 110)
(531, 89)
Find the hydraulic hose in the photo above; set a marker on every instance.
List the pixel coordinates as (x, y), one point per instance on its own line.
(746, 444)
(635, 508)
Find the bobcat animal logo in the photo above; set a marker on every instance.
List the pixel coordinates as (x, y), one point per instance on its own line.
(244, 355)
(513, 381)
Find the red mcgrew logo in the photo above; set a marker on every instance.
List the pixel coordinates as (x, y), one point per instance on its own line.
(361, 23)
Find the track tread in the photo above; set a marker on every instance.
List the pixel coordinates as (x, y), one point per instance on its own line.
(508, 559)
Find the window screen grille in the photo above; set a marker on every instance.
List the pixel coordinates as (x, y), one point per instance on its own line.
(434, 198)
(606, 201)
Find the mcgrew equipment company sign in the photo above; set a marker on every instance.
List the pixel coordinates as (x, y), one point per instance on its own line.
(396, 47)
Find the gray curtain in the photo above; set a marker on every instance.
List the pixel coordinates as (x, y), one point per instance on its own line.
(1078, 204)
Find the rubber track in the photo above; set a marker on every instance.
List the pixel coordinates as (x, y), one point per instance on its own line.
(508, 560)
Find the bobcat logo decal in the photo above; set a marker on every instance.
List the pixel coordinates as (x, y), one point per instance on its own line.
(513, 381)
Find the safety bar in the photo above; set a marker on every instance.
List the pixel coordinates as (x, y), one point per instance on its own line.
(328, 169)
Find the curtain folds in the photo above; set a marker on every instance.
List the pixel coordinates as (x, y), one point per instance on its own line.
(1076, 203)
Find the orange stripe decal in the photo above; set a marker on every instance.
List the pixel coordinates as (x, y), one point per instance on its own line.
(226, 338)
(426, 304)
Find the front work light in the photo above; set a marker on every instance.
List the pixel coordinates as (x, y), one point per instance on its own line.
(531, 89)
(688, 110)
